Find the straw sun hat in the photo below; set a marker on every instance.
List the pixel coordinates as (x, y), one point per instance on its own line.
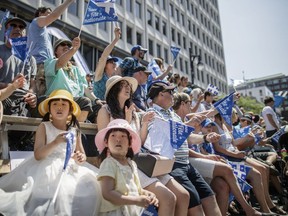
(43, 107)
(115, 79)
(115, 124)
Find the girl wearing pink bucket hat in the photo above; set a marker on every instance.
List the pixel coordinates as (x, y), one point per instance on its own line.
(118, 176)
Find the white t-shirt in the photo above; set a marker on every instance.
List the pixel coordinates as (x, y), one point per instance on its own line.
(268, 110)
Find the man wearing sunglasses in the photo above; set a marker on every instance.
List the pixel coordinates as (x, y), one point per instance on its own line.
(23, 101)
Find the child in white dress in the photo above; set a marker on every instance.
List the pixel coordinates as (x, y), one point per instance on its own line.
(118, 177)
(79, 192)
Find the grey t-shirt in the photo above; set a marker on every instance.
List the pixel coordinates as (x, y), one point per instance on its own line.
(10, 66)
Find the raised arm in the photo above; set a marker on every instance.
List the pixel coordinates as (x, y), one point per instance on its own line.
(102, 61)
(47, 20)
(63, 59)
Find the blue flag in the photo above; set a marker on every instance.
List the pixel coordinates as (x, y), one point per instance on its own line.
(275, 137)
(224, 107)
(71, 142)
(5, 16)
(154, 68)
(175, 51)
(100, 11)
(179, 133)
(278, 100)
(243, 185)
(240, 132)
(166, 143)
(150, 211)
(19, 47)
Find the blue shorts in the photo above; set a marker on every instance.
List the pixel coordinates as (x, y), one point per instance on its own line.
(192, 181)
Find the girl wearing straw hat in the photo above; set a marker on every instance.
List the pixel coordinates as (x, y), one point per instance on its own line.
(118, 176)
(79, 190)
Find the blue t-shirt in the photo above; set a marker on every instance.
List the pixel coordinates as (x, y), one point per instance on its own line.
(41, 47)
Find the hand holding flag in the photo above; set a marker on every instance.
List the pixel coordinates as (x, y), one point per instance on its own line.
(224, 107)
(175, 51)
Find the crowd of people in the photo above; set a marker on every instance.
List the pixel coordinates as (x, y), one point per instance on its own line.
(124, 100)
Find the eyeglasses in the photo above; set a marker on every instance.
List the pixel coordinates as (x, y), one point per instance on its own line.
(65, 44)
(13, 25)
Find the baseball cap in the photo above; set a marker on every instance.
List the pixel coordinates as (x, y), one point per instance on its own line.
(15, 19)
(158, 87)
(141, 68)
(138, 47)
(207, 122)
(246, 117)
(59, 41)
(112, 58)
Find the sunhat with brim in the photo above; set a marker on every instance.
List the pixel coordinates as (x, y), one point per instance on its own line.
(59, 41)
(207, 122)
(118, 124)
(43, 107)
(115, 79)
(17, 19)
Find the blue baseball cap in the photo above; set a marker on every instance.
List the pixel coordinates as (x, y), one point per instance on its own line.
(138, 47)
(112, 58)
(207, 122)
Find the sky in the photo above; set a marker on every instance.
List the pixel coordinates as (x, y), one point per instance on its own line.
(255, 37)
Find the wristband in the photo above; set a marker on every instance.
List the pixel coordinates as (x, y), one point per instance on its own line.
(205, 138)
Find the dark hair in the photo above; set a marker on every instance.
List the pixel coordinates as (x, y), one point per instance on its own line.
(218, 115)
(130, 153)
(268, 99)
(73, 122)
(41, 10)
(207, 93)
(113, 103)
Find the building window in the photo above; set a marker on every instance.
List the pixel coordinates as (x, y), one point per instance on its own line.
(184, 42)
(157, 23)
(179, 38)
(150, 45)
(260, 92)
(149, 17)
(119, 2)
(103, 26)
(51, 1)
(138, 38)
(171, 9)
(165, 55)
(177, 15)
(181, 64)
(183, 19)
(164, 26)
(189, 25)
(186, 67)
(138, 10)
(173, 34)
(88, 55)
(129, 6)
(158, 50)
(164, 4)
(129, 34)
(73, 8)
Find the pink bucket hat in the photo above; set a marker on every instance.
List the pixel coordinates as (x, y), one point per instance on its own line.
(115, 124)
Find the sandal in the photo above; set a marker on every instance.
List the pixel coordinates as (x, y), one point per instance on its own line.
(278, 210)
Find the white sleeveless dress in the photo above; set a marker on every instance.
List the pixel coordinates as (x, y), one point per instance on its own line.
(29, 189)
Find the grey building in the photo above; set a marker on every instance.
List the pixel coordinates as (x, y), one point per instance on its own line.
(192, 25)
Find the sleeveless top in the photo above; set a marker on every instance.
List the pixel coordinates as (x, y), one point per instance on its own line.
(226, 139)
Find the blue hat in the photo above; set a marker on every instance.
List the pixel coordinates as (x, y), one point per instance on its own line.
(112, 58)
(138, 47)
(207, 122)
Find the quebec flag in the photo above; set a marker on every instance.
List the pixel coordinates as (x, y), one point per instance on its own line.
(19, 47)
(154, 68)
(100, 11)
(159, 140)
(150, 211)
(175, 51)
(224, 107)
(213, 89)
(70, 147)
(240, 132)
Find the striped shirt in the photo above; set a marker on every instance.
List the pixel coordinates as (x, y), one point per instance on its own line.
(182, 154)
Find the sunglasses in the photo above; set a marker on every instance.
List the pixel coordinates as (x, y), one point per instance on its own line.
(186, 102)
(13, 25)
(65, 44)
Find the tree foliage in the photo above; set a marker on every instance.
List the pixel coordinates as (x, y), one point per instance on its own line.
(250, 105)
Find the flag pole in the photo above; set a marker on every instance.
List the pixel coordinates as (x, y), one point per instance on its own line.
(83, 19)
(26, 58)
